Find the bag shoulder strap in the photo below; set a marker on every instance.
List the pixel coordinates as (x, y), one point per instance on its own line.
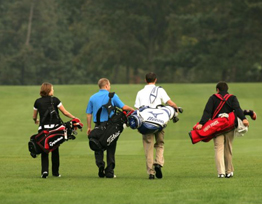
(221, 104)
(50, 110)
(108, 106)
(153, 94)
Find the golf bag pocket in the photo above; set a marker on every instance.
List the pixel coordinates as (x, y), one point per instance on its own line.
(107, 133)
(33, 147)
(54, 140)
(95, 136)
(47, 140)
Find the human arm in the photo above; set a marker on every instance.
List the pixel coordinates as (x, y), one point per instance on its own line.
(35, 116)
(207, 113)
(127, 108)
(65, 112)
(172, 103)
(89, 119)
(118, 103)
(238, 111)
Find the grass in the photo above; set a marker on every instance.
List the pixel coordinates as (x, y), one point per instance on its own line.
(189, 170)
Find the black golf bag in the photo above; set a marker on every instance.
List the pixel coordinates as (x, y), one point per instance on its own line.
(107, 133)
(48, 140)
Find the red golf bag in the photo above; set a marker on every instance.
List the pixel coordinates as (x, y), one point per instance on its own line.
(212, 128)
(48, 140)
(215, 126)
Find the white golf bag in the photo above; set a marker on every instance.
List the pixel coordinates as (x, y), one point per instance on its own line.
(151, 120)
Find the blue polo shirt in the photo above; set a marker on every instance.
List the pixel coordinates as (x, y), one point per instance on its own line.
(97, 100)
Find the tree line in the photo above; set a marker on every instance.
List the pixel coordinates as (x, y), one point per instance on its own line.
(78, 42)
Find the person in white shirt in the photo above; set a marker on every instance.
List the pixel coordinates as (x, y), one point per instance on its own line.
(152, 95)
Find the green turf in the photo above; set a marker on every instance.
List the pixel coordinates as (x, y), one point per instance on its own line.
(189, 170)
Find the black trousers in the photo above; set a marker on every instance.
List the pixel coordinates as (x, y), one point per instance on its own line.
(54, 158)
(110, 159)
(55, 162)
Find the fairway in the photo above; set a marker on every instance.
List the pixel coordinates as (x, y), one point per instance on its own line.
(189, 173)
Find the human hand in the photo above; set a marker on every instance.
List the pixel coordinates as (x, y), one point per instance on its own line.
(246, 123)
(88, 131)
(199, 126)
(36, 121)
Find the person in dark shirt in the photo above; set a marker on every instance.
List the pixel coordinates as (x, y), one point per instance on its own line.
(223, 142)
(40, 107)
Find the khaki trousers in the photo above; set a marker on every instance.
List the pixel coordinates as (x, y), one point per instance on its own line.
(223, 152)
(151, 141)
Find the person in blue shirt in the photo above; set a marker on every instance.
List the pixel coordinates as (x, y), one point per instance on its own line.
(95, 102)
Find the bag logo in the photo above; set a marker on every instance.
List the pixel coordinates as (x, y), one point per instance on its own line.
(155, 119)
(155, 114)
(112, 137)
(51, 144)
(211, 125)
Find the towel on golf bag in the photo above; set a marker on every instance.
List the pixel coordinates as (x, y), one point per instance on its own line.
(224, 123)
(48, 140)
(151, 120)
(107, 133)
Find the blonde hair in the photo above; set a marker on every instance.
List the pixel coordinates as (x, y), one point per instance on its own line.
(103, 82)
(45, 89)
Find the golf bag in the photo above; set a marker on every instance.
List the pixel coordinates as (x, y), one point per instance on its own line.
(151, 120)
(48, 140)
(107, 133)
(212, 128)
(215, 126)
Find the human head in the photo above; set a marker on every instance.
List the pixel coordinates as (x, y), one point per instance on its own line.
(222, 86)
(104, 83)
(151, 77)
(46, 89)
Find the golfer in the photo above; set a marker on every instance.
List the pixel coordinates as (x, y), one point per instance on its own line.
(151, 96)
(41, 105)
(223, 142)
(96, 101)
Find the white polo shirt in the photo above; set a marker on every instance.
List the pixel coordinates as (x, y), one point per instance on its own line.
(143, 97)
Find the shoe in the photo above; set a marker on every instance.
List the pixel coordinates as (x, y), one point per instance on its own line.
(151, 176)
(221, 176)
(45, 174)
(101, 172)
(57, 175)
(229, 175)
(158, 171)
(114, 176)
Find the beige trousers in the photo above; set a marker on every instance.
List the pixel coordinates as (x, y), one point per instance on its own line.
(151, 141)
(223, 152)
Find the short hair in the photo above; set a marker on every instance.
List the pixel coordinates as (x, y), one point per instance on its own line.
(222, 86)
(150, 77)
(103, 82)
(45, 89)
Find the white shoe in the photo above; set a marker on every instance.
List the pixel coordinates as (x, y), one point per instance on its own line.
(229, 175)
(221, 176)
(45, 174)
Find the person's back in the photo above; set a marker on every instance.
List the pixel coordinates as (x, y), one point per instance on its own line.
(151, 96)
(96, 101)
(223, 142)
